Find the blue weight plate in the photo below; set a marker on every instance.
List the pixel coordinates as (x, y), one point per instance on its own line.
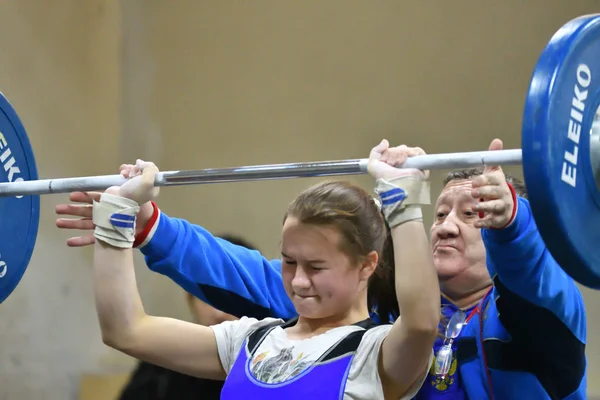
(19, 217)
(559, 111)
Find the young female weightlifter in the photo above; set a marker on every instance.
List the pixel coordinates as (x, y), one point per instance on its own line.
(333, 240)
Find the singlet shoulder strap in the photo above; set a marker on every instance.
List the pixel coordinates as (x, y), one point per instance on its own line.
(256, 338)
(348, 344)
(366, 323)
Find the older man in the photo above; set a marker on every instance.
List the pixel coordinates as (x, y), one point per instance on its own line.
(513, 324)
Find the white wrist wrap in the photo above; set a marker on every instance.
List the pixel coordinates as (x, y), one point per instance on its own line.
(114, 218)
(401, 199)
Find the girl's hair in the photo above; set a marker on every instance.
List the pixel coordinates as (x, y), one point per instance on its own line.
(357, 217)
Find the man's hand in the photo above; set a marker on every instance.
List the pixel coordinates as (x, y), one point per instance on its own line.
(84, 223)
(496, 201)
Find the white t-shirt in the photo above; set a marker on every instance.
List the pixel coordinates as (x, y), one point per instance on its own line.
(363, 379)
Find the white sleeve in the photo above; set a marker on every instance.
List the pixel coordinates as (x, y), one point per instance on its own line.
(364, 371)
(231, 335)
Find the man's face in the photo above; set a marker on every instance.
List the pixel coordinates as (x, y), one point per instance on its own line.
(458, 249)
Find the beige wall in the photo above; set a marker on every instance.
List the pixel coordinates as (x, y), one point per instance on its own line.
(214, 84)
(59, 69)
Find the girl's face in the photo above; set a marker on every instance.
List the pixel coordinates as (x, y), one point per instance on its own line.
(320, 278)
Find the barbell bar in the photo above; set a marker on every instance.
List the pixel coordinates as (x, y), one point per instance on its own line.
(260, 172)
(558, 162)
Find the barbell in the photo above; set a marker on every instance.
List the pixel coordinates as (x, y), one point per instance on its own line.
(559, 164)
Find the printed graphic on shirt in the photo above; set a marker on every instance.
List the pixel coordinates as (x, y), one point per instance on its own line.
(279, 368)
